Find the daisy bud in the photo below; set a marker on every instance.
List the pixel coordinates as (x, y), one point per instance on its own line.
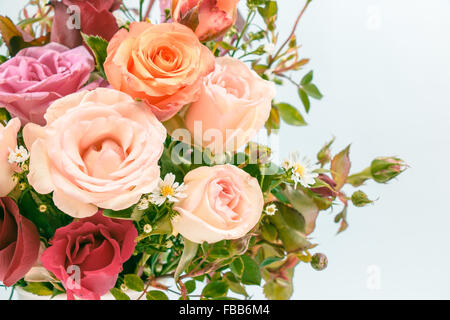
(148, 228)
(319, 261)
(123, 287)
(42, 208)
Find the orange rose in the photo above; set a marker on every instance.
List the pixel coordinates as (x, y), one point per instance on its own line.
(162, 64)
(208, 18)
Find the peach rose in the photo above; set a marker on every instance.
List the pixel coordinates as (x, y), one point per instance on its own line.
(8, 142)
(162, 64)
(99, 149)
(234, 104)
(224, 202)
(208, 18)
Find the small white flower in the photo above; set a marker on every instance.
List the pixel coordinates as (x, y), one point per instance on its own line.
(168, 189)
(19, 155)
(269, 48)
(271, 209)
(143, 204)
(148, 228)
(269, 74)
(302, 169)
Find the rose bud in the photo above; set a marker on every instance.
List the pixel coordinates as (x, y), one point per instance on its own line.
(384, 169)
(360, 199)
(19, 243)
(91, 17)
(209, 19)
(325, 191)
(319, 261)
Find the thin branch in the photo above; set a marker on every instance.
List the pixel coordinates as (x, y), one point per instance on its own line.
(293, 30)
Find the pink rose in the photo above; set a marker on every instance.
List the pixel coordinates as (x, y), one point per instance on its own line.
(37, 76)
(209, 19)
(223, 202)
(19, 243)
(8, 142)
(234, 104)
(92, 17)
(99, 149)
(87, 255)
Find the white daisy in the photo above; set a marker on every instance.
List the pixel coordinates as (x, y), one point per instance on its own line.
(269, 74)
(271, 209)
(301, 169)
(19, 155)
(167, 189)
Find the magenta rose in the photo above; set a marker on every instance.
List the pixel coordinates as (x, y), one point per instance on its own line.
(37, 76)
(91, 17)
(88, 254)
(19, 243)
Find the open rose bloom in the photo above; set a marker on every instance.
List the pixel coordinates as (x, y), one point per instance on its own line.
(131, 160)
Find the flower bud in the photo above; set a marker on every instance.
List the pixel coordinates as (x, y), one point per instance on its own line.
(325, 191)
(208, 19)
(360, 199)
(324, 155)
(319, 261)
(385, 169)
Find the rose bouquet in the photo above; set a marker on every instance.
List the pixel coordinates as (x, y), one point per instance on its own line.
(127, 152)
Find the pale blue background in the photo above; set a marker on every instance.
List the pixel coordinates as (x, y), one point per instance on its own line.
(384, 68)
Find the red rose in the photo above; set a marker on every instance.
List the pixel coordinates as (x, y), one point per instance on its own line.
(19, 243)
(92, 17)
(88, 254)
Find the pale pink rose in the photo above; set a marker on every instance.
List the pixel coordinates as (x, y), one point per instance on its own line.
(8, 142)
(223, 202)
(234, 105)
(99, 149)
(209, 19)
(37, 76)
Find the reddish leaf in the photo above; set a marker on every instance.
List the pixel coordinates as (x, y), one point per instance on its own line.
(340, 167)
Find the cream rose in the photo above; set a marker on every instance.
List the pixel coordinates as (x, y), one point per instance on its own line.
(234, 104)
(98, 149)
(8, 142)
(223, 202)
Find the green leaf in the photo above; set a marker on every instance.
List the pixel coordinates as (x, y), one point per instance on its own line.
(312, 91)
(156, 295)
(280, 290)
(119, 295)
(290, 114)
(99, 47)
(237, 267)
(132, 213)
(190, 286)
(4, 115)
(307, 78)
(270, 260)
(305, 99)
(269, 232)
(290, 225)
(219, 253)
(189, 253)
(134, 282)
(340, 167)
(215, 289)
(38, 288)
(252, 273)
(226, 45)
(234, 284)
(305, 205)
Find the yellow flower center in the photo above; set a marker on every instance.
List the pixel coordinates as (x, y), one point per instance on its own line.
(299, 169)
(167, 191)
